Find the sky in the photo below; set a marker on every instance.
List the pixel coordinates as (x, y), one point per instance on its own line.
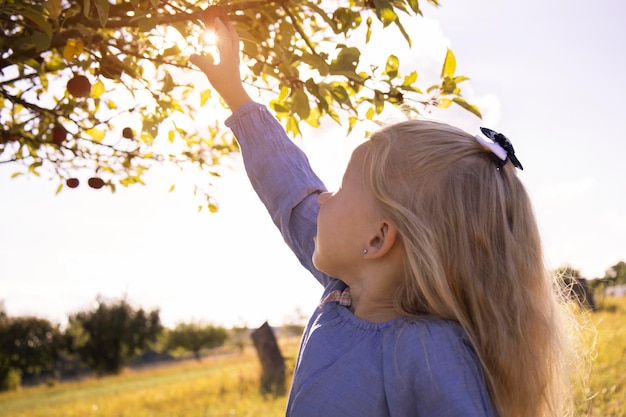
(546, 74)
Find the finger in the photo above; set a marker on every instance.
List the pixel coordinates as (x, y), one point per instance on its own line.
(227, 42)
(227, 35)
(221, 34)
(234, 36)
(203, 63)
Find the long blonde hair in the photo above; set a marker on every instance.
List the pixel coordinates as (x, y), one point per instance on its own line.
(473, 255)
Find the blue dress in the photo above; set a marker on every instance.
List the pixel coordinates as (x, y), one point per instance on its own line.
(347, 366)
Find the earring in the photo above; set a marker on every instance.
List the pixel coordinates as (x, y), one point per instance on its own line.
(364, 251)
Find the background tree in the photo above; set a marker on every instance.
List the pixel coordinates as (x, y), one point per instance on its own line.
(99, 88)
(28, 346)
(107, 336)
(616, 274)
(194, 337)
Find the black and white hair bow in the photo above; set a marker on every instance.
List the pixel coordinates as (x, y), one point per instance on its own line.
(500, 146)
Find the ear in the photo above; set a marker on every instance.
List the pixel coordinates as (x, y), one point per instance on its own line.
(383, 241)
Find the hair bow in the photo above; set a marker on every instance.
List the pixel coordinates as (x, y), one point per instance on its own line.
(501, 146)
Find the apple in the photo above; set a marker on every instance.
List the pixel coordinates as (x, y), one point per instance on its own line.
(79, 86)
(10, 136)
(95, 182)
(72, 182)
(59, 134)
(211, 12)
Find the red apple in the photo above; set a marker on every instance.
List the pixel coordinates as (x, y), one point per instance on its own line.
(209, 15)
(59, 134)
(95, 182)
(10, 137)
(128, 133)
(79, 86)
(72, 182)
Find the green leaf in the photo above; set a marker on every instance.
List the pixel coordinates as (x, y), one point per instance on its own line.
(385, 12)
(406, 35)
(449, 65)
(414, 5)
(73, 48)
(54, 8)
(279, 107)
(448, 86)
(444, 103)
(469, 107)
(174, 50)
(391, 68)
(98, 89)
(146, 24)
(37, 17)
(340, 94)
(33, 168)
(300, 104)
(96, 134)
(346, 62)
(284, 92)
(333, 115)
(168, 83)
(410, 79)
(351, 123)
(102, 8)
(205, 95)
(315, 62)
(41, 41)
(346, 19)
(293, 126)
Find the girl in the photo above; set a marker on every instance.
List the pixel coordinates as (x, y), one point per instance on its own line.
(435, 299)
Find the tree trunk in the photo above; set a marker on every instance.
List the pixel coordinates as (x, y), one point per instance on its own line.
(272, 361)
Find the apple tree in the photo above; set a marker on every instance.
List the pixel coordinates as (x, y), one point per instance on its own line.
(101, 89)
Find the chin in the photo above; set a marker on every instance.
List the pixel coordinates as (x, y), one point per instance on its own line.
(317, 262)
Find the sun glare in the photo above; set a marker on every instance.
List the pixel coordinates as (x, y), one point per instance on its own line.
(208, 45)
(204, 43)
(209, 37)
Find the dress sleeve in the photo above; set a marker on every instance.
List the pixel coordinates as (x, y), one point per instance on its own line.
(282, 177)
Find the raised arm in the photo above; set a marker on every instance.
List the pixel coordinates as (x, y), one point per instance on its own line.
(278, 170)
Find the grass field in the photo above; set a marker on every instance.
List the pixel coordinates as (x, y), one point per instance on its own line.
(605, 392)
(227, 385)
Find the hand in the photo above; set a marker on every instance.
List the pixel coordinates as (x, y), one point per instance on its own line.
(224, 76)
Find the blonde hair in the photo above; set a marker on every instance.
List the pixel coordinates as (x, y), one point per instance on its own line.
(473, 255)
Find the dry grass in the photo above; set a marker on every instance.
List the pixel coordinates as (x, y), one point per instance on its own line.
(603, 392)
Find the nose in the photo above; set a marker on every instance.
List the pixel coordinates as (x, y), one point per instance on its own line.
(323, 197)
